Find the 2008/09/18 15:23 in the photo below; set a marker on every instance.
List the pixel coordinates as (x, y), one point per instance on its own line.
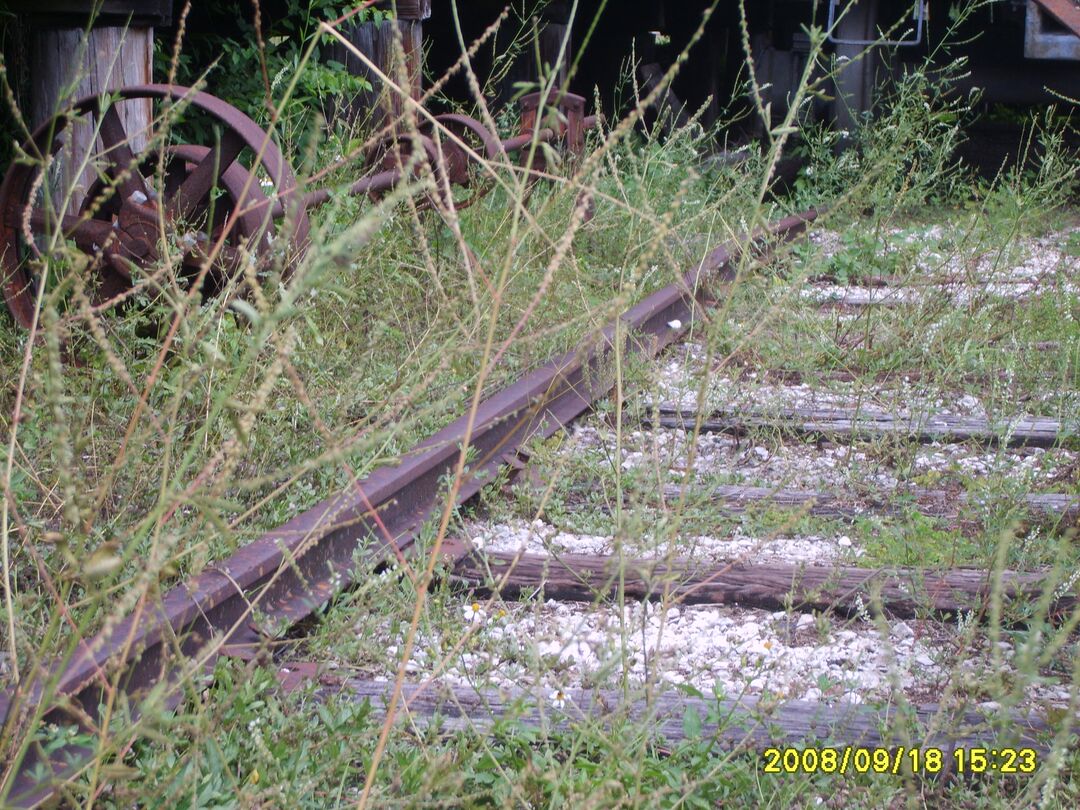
(854, 759)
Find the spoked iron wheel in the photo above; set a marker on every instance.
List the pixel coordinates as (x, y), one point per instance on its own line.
(126, 222)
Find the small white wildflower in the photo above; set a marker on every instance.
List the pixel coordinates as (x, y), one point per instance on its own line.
(474, 613)
(964, 620)
(843, 541)
(675, 324)
(860, 608)
(558, 699)
(1067, 586)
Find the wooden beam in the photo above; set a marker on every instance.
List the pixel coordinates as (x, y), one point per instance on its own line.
(77, 13)
(737, 499)
(747, 724)
(771, 586)
(863, 425)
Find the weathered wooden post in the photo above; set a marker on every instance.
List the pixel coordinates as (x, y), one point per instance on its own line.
(72, 55)
(410, 22)
(556, 30)
(376, 42)
(551, 28)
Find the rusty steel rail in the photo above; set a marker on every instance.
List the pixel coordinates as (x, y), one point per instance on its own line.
(291, 571)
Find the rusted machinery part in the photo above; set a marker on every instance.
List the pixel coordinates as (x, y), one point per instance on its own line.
(385, 162)
(395, 154)
(462, 131)
(471, 132)
(239, 189)
(132, 234)
(290, 572)
(372, 185)
(519, 142)
(376, 184)
(181, 160)
(457, 160)
(467, 131)
(544, 135)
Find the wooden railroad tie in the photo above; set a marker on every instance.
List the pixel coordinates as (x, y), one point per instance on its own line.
(869, 425)
(770, 586)
(748, 724)
(737, 499)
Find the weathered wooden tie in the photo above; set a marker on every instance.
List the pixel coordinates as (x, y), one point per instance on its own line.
(748, 723)
(771, 586)
(736, 499)
(866, 425)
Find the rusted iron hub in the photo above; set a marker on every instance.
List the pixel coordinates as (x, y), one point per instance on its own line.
(137, 222)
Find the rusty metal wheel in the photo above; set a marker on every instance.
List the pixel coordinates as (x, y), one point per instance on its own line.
(207, 195)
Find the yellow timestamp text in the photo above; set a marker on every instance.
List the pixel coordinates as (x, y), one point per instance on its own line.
(900, 760)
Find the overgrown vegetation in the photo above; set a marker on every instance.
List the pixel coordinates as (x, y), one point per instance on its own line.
(145, 455)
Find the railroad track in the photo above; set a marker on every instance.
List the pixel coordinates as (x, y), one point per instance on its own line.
(750, 617)
(287, 574)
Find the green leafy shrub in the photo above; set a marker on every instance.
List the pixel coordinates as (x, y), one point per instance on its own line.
(247, 70)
